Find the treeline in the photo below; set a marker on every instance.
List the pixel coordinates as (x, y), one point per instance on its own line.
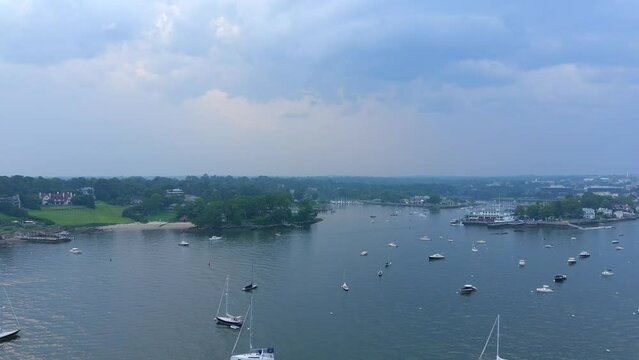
(266, 209)
(571, 207)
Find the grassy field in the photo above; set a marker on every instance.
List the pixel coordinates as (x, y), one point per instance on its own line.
(103, 214)
(4, 217)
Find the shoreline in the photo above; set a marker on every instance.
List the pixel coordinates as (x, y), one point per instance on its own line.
(151, 225)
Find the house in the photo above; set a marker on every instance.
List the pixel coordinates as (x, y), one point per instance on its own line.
(618, 214)
(175, 192)
(88, 190)
(588, 213)
(190, 198)
(13, 200)
(604, 211)
(57, 198)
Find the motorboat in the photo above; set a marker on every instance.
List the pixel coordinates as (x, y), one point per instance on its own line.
(481, 241)
(215, 237)
(615, 241)
(467, 289)
(424, 238)
(437, 256)
(388, 264)
(607, 272)
(572, 261)
(560, 278)
(363, 253)
(522, 263)
(226, 318)
(372, 221)
(474, 248)
(380, 273)
(345, 287)
(544, 289)
(278, 234)
(392, 244)
(619, 248)
(183, 243)
(584, 254)
(573, 238)
(75, 251)
(548, 246)
(450, 240)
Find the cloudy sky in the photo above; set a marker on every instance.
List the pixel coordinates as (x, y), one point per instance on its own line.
(342, 87)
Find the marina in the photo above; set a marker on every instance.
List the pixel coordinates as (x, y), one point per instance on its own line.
(66, 304)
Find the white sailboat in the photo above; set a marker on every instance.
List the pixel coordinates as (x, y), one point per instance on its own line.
(11, 333)
(344, 286)
(254, 353)
(496, 323)
(226, 318)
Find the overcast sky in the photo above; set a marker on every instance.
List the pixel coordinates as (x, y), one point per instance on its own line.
(257, 87)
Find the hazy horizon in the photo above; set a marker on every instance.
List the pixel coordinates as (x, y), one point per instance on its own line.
(338, 88)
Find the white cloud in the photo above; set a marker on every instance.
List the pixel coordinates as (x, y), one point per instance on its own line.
(224, 29)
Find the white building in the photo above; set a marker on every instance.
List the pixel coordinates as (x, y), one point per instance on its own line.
(589, 213)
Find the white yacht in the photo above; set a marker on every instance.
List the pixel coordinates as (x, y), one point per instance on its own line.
(437, 256)
(424, 238)
(615, 241)
(392, 244)
(254, 353)
(544, 289)
(380, 273)
(607, 272)
(573, 238)
(345, 287)
(522, 263)
(584, 254)
(75, 251)
(214, 237)
(363, 253)
(572, 261)
(183, 243)
(619, 248)
(481, 241)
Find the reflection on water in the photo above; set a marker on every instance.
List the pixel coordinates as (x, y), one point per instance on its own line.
(155, 299)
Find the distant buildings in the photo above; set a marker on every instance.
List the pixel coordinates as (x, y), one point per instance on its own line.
(57, 198)
(175, 192)
(13, 200)
(588, 213)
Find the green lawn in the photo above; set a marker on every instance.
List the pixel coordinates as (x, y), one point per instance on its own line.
(4, 217)
(103, 214)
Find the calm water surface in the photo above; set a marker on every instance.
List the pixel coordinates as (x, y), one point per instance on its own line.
(155, 299)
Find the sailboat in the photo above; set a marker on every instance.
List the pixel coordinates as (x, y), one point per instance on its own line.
(388, 263)
(254, 353)
(226, 318)
(252, 286)
(487, 340)
(344, 286)
(8, 334)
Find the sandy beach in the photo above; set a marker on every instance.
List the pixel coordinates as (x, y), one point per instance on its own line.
(151, 225)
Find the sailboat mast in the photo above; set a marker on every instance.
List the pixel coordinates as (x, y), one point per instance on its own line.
(487, 340)
(497, 337)
(251, 325)
(239, 334)
(226, 295)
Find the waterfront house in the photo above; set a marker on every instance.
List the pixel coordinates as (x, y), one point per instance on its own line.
(604, 211)
(588, 213)
(57, 198)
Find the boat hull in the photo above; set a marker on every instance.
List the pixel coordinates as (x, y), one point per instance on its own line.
(249, 287)
(8, 335)
(228, 321)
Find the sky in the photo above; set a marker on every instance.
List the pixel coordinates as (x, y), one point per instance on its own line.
(303, 88)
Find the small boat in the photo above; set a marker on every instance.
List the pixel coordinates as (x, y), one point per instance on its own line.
(372, 221)
(183, 243)
(226, 318)
(560, 278)
(467, 289)
(496, 323)
(252, 286)
(380, 273)
(8, 334)
(474, 248)
(544, 289)
(620, 235)
(607, 272)
(572, 261)
(573, 238)
(548, 246)
(392, 244)
(254, 353)
(522, 263)
(441, 236)
(373, 216)
(388, 264)
(278, 234)
(344, 286)
(450, 240)
(424, 238)
(437, 256)
(619, 248)
(215, 237)
(584, 254)
(481, 241)
(363, 253)
(75, 251)
(615, 241)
